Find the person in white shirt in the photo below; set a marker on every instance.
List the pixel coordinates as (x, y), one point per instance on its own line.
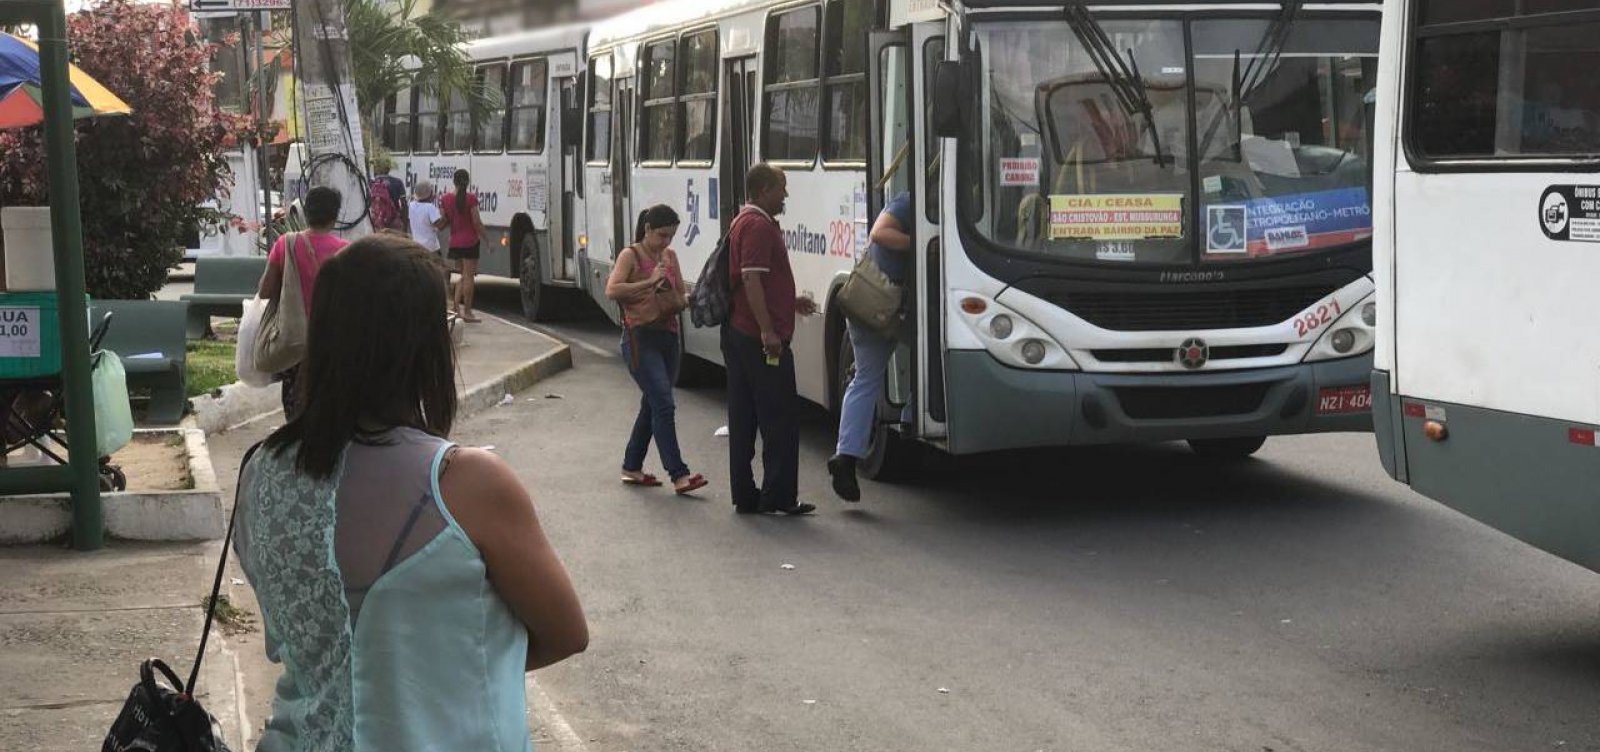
(424, 214)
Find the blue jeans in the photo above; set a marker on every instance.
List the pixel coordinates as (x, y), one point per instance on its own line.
(859, 410)
(654, 367)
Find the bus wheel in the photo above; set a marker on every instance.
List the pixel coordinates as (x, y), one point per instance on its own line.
(1236, 448)
(539, 301)
(890, 457)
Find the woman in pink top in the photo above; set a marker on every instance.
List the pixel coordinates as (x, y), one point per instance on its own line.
(466, 236)
(315, 246)
(651, 348)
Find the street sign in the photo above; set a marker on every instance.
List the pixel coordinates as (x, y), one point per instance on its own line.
(238, 6)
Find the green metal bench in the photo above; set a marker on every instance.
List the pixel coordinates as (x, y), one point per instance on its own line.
(221, 286)
(149, 337)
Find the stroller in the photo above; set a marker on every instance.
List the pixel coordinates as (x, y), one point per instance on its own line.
(33, 410)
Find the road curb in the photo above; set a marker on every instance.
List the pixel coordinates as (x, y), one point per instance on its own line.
(490, 393)
(194, 514)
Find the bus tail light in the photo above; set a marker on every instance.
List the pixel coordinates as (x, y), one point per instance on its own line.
(1436, 430)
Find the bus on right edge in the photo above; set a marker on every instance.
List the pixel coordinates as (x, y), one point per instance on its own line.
(1487, 255)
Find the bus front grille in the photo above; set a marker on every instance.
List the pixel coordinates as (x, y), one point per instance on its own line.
(1174, 403)
(1170, 354)
(1192, 310)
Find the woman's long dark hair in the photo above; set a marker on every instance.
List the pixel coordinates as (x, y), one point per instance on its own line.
(378, 353)
(462, 178)
(659, 215)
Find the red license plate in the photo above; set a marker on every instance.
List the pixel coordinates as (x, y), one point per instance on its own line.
(1341, 400)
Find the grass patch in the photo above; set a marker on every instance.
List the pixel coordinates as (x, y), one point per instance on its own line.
(231, 618)
(210, 364)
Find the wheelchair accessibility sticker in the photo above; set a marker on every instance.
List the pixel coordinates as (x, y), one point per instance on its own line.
(1571, 213)
(1225, 229)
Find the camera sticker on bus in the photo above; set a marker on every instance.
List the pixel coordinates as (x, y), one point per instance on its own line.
(1021, 171)
(1571, 213)
(1226, 229)
(1116, 216)
(1307, 221)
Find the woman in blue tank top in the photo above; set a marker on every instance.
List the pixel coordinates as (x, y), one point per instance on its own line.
(405, 583)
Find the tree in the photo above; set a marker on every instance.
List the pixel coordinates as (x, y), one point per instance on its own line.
(385, 37)
(141, 177)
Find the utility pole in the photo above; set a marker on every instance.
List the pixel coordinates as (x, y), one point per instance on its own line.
(263, 113)
(337, 158)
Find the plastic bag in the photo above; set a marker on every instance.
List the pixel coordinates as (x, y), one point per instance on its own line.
(244, 351)
(113, 416)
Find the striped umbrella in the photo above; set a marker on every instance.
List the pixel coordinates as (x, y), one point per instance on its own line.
(20, 97)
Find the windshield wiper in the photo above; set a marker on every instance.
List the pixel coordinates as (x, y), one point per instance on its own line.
(1268, 52)
(1121, 75)
(1244, 83)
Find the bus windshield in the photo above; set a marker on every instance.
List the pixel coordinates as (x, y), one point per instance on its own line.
(1240, 140)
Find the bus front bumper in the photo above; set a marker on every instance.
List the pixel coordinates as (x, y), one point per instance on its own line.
(992, 406)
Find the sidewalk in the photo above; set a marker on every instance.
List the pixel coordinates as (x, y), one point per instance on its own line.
(74, 626)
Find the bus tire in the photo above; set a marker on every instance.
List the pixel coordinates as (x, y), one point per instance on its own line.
(1236, 448)
(890, 456)
(539, 301)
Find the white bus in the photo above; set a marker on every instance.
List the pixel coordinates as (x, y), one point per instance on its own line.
(1487, 380)
(1136, 221)
(522, 157)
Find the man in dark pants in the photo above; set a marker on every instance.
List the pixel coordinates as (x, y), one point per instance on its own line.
(755, 347)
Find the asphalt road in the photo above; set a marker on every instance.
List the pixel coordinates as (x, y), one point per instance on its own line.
(1103, 599)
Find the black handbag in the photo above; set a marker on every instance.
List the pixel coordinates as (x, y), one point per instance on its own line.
(159, 718)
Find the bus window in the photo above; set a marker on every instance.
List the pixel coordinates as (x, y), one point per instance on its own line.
(697, 102)
(658, 135)
(845, 88)
(599, 149)
(397, 122)
(491, 129)
(792, 86)
(458, 123)
(1294, 142)
(1522, 90)
(529, 94)
(427, 119)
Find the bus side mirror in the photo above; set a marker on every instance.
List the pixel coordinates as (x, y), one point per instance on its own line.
(947, 98)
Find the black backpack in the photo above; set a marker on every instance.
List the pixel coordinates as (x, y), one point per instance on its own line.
(712, 301)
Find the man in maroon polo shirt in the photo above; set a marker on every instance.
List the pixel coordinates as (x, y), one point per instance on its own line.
(755, 347)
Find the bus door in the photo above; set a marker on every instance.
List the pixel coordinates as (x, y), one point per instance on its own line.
(927, 46)
(622, 167)
(564, 183)
(738, 135)
(889, 165)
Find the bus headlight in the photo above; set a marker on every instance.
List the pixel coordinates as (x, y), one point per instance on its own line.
(1008, 336)
(1001, 326)
(1350, 334)
(1033, 351)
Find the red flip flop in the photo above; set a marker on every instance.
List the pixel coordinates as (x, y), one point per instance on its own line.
(643, 480)
(691, 484)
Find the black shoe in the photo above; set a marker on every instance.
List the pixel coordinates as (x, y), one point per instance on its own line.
(797, 508)
(843, 469)
(746, 509)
